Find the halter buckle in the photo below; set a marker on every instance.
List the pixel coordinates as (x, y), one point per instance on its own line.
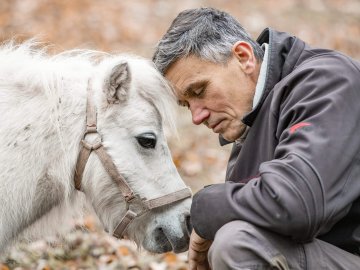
(136, 204)
(129, 197)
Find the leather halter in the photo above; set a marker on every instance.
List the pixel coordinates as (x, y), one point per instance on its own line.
(135, 205)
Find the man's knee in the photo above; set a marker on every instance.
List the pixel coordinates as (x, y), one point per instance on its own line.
(233, 234)
(234, 239)
(239, 243)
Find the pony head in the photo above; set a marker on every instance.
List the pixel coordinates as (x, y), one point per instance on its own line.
(134, 105)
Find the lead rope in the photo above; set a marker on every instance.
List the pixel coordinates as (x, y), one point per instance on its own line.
(106, 160)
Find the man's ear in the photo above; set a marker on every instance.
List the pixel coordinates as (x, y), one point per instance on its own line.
(117, 83)
(245, 55)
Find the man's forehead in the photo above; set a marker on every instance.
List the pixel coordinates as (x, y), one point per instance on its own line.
(184, 73)
(185, 65)
(176, 70)
(177, 78)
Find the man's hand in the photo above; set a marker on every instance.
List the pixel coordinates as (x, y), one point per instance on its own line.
(198, 250)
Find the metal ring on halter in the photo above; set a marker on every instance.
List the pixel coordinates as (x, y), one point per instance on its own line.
(91, 146)
(98, 140)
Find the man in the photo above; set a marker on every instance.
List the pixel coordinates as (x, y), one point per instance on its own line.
(291, 199)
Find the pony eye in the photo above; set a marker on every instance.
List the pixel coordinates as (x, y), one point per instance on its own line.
(147, 140)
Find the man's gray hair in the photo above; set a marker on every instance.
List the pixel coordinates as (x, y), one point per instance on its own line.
(204, 32)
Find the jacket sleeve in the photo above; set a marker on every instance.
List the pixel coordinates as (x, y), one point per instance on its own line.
(313, 178)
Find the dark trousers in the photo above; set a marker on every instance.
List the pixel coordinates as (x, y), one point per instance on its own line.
(240, 245)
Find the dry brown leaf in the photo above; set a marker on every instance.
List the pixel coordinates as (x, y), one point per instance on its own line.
(177, 161)
(4, 267)
(89, 223)
(107, 259)
(123, 251)
(170, 258)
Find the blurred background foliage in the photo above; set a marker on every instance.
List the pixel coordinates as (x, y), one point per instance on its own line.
(135, 26)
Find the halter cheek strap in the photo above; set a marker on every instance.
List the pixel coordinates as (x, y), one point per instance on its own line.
(134, 204)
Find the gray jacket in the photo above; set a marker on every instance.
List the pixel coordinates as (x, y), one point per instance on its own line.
(297, 172)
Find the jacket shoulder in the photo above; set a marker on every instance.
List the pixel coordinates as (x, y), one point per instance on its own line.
(329, 62)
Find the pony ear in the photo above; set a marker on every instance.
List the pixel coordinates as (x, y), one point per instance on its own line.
(118, 83)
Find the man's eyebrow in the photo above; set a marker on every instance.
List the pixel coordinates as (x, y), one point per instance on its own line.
(194, 85)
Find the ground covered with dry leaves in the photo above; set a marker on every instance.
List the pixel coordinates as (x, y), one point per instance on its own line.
(136, 26)
(88, 247)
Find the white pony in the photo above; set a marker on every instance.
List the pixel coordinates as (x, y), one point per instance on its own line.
(42, 122)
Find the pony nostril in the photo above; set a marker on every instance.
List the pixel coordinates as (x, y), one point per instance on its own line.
(173, 238)
(160, 234)
(162, 241)
(159, 230)
(188, 224)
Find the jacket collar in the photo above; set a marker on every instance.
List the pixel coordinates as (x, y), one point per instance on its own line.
(284, 52)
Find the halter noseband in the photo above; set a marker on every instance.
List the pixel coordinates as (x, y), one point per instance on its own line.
(135, 205)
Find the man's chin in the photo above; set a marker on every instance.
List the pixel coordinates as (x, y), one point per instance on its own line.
(227, 137)
(233, 136)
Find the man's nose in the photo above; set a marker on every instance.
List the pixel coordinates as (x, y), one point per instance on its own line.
(199, 115)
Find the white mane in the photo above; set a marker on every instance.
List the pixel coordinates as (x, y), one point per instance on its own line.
(29, 63)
